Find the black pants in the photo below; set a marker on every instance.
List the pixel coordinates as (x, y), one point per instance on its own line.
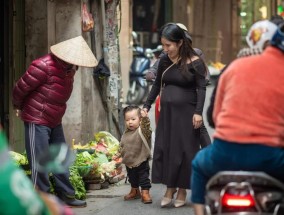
(37, 140)
(204, 137)
(139, 176)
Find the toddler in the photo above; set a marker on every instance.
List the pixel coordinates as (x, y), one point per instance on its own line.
(135, 151)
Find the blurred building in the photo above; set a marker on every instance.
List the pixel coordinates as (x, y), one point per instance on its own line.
(29, 27)
(218, 27)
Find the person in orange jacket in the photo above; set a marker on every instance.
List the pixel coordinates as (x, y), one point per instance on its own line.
(247, 124)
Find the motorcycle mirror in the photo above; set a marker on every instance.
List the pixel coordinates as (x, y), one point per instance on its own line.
(149, 53)
(158, 49)
(56, 159)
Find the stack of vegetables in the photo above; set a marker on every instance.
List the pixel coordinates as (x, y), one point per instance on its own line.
(21, 160)
(94, 160)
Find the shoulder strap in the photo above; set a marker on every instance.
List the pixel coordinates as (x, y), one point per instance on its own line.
(165, 72)
(161, 88)
(144, 139)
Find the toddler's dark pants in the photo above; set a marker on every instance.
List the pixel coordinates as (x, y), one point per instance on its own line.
(139, 176)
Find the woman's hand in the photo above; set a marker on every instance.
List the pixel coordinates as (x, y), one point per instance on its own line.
(144, 112)
(197, 121)
(18, 113)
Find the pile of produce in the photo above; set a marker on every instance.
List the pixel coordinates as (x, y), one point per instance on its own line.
(94, 159)
(217, 65)
(21, 160)
(93, 162)
(215, 68)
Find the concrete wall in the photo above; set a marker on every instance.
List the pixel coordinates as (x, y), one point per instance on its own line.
(68, 25)
(36, 29)
(212, 28)
(224, 25)
(111, 85)
(124, 42)
(180, 12)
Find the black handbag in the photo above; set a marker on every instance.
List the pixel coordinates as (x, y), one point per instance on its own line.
(101, 70)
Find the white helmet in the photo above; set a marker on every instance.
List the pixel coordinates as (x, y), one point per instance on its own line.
(260, 33)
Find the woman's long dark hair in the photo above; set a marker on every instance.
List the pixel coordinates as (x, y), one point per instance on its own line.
(173, 33)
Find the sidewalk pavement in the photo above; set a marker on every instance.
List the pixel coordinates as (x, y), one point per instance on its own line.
(110, 202)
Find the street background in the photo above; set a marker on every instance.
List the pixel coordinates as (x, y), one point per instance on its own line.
(110, 201)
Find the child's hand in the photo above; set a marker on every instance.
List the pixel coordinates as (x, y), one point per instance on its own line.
(114, 157)
(144, 113)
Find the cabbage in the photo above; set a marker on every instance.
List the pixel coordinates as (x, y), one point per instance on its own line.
(78, 183)
(19, 158)
(108, 138)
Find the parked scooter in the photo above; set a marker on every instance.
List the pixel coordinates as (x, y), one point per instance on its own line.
(138, 86)
(244, 193)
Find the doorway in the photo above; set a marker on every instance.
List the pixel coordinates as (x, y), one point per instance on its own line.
(12, 66)
(4, 68)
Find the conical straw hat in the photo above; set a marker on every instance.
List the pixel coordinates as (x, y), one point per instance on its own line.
(75, 51)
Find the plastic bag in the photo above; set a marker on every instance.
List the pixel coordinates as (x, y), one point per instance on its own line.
(87, 19)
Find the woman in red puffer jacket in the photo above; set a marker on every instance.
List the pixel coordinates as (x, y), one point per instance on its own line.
(42, 92)
(41, 95)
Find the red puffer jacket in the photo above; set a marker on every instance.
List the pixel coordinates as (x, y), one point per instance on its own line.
(42, 92)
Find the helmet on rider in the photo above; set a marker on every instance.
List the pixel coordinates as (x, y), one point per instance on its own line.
(278, 38)
(260, 33)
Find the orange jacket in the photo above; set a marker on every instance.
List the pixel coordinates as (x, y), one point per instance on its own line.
(249, 105)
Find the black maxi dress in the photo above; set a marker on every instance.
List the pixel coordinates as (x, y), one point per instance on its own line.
(177, 142)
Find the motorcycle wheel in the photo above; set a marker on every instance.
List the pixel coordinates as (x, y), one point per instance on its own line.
(137, 96)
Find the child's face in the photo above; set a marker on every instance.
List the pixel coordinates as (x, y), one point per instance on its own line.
(132, 120)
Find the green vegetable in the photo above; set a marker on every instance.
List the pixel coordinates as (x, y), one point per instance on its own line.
(77, 182)
(84, 170)
(112, 151)
(100, 158)
(19, 158)
(84, 159)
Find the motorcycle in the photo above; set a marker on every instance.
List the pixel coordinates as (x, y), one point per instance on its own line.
(138, 86)
(141, 63)
(244, 193)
